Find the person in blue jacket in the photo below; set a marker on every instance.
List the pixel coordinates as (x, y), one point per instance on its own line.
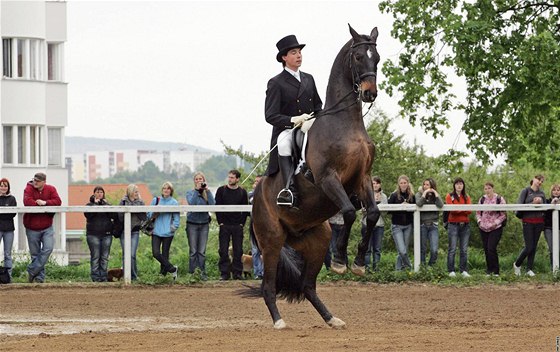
(198, 224)
(165, 226)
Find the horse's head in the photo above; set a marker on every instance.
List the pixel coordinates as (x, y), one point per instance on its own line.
(363, 64)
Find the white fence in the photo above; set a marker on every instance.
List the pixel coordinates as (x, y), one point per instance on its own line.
(127, 210)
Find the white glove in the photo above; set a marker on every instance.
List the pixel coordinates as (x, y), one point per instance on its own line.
(298, 120)
(307, 125)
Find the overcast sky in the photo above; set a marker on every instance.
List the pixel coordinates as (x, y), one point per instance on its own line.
(196, 71)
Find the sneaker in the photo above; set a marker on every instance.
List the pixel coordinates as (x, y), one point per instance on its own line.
(465, 274)
(30, 278)
(224, 277)
(516, 269)
(530, 273)
(175, 273)
(452, 274)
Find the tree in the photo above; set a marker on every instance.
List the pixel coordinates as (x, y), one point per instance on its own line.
(507, 53)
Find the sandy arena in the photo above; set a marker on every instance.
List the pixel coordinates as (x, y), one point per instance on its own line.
(211, 317)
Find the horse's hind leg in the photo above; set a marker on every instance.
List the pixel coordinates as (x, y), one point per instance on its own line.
(313, 248)
(271, 255)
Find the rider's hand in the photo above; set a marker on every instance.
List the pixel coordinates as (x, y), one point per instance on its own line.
(307, 125)
(298, 120)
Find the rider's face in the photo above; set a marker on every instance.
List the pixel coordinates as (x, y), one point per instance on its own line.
(293, 59)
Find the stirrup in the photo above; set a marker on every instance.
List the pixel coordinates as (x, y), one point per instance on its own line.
(285, 198)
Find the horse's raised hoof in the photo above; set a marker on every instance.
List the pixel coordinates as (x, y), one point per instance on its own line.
(279, 324)
(358, 270)
(339, 269)
(336, 323)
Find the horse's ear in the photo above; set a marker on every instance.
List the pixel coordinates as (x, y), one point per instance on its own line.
(355, 34)
(374, 34)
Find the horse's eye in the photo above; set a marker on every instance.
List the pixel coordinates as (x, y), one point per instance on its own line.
(359, 57)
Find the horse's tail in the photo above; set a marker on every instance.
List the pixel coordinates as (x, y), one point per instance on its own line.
(289, 284)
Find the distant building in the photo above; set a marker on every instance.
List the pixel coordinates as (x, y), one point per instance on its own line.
(76, 222)
(33, 104)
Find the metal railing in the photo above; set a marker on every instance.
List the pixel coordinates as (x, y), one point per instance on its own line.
(127, 210)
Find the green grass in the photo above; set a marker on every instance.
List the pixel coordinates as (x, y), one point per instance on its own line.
(148, 267)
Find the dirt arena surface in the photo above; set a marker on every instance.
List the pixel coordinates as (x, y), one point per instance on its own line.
(211, 317)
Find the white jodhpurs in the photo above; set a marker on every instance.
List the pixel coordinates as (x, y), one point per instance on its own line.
(285, 143)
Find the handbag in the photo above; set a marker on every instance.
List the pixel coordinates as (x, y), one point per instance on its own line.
(147, 226)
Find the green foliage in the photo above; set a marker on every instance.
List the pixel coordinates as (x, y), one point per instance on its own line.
(506, 53)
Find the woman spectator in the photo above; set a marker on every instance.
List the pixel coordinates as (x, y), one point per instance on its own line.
(429, 231)
(198, 224)
(533, 224)
(458, 230)
(99, 235)
(554, 199)
(491, 227)
(401, 228)
(165, 226)
(376, 239)
(132, 198)
(7, 223)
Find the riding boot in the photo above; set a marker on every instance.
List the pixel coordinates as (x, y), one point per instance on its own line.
(287, 196)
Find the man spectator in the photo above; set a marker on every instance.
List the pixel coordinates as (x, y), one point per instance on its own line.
(231, 226)
(255, 251)
(39, 226)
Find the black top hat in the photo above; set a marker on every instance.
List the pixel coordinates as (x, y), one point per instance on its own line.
(286, 44)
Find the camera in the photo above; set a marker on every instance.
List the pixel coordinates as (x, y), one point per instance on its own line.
(203, 185)
(430, 196)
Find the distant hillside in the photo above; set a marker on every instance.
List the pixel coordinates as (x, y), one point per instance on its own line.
(76, 145)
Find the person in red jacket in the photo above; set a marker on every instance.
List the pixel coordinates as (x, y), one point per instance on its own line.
(458, 229)
(38, 226)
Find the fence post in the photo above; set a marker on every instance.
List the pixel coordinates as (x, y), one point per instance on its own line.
(416, 240)
(555, 241)
(127, 249)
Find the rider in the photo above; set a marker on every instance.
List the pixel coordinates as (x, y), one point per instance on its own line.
(291, 101)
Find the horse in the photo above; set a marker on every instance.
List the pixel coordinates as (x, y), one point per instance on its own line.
(340, 155)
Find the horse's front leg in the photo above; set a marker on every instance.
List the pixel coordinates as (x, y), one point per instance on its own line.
(335, 191)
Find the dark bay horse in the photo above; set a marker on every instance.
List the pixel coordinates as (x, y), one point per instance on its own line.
(340, 155)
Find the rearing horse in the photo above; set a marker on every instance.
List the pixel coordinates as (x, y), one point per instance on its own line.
(340, 155)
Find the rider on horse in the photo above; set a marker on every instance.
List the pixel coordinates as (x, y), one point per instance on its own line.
(291, 101)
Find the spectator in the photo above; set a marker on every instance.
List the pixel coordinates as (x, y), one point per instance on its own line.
(165, 226)
(132, 198)
(401, 228)
(231, 227)
(198, 224)
(258, 269)
(491, 226)
(337, 231)
(7, 227)
(554, 199)
(429, 230)
(376, 239)
(458, 230)
(99, 235)
(39, 226)
(533, 224)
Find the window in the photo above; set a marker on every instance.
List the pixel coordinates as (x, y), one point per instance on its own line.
(55, 146)
(8, 145)
(33, 144)
(7, 57)
(22, 58)
(34, 59)
(22, 144)
(54, 61)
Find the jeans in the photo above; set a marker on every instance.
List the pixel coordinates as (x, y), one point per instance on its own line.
(531, 236)
(99, 248)
(374, 246)
(8, 238)
(235, 233)
(197, 235)
(337, 232)
(258, 267)
(458, 232)
(41, 245)
(160, 251)
(429, 233)
(490, 242)
(134, 239)
(401, 236)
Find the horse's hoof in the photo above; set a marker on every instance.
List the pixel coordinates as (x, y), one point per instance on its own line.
(339, 269)
(279, 324)
(358, 270)
(336, 323)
